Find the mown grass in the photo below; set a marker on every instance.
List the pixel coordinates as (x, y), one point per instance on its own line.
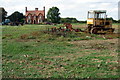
(31, 52)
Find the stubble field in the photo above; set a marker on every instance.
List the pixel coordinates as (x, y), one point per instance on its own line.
(29, 51)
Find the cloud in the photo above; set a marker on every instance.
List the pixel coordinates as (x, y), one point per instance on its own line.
(71, 8)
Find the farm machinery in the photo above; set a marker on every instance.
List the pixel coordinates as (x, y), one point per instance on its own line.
(98, 22)
(65, 28)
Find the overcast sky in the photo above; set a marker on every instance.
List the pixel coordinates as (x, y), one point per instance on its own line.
(68, 8)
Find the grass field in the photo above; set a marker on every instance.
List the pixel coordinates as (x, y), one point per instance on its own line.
(30, 52)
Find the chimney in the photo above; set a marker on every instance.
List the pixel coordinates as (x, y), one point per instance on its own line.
(36, 9)
(26, 9)
(44, 8)
(44, 11)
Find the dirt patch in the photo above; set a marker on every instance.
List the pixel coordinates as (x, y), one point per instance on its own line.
(25, 40)
(80, 26)
(110, 44)
(94, 41)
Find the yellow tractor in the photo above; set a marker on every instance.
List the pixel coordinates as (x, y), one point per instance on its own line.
(98, 22)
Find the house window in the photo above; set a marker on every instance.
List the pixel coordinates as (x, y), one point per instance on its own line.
(29, 17)
(29, 21)
(34, 17)
(40, 19)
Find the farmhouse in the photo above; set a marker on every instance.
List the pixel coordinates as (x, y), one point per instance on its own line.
(35, 16)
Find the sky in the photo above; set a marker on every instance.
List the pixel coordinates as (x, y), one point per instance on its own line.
(68, 8)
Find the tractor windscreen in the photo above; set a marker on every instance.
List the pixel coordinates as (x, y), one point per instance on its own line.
(100, 15)
(90, 15)
(97, 15)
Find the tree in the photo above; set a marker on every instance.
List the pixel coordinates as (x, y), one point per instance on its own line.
(16, 17)
(114, 21)
(3, 13)
(53, 15)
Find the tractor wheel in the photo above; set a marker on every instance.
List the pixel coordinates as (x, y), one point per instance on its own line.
(110, 30)
(94, 31)
(113, 30)
(89, 29)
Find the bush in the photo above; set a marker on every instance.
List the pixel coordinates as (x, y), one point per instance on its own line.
(68, 20)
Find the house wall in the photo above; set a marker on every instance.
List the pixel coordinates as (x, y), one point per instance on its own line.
(35, 18)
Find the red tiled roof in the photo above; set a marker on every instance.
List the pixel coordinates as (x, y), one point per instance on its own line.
(35, 12)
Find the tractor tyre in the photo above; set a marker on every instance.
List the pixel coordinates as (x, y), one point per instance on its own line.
(94, 31)
(111, 30)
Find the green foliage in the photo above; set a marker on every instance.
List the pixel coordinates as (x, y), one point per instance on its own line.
(16, 17)
(119, 21)
(68, 20)
(3, 13)
(71, 20)
(114, 21)
(53, 15)
(82, 21)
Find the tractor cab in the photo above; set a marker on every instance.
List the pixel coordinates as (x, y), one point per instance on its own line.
(96, 17)
(98, 23)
